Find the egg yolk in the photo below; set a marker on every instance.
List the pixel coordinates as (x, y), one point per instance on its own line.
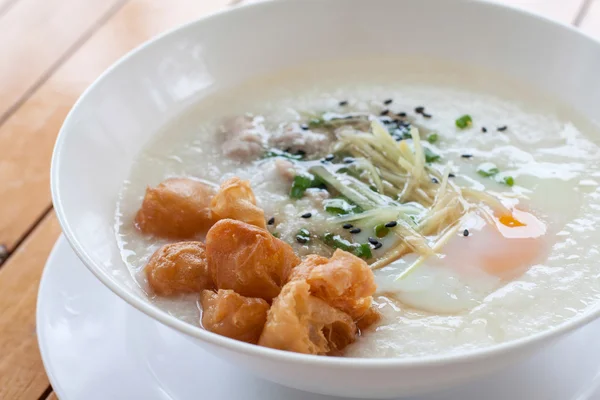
(520, 224)
(510, 221)
(505, 249)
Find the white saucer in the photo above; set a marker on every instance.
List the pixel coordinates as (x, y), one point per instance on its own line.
(95, 346)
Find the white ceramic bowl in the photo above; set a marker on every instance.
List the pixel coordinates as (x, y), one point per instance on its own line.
(128, 103)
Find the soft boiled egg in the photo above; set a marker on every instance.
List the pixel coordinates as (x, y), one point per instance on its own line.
(481, 256)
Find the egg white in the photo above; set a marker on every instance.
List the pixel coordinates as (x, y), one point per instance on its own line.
(435, 287)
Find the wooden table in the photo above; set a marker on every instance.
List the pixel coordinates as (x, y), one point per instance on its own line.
(50, 51)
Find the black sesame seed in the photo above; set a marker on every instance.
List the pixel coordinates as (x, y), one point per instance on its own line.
(306, 215)
(301, 153)
(378, 246)
(391, 224)
(420, 109)
(373, 241)
(502, 128)
(401, 114)
(348, 160)
(467, 155)
(451, 175)
(388, 102)
(434, 180)
(301, 239)
(466, 232)
(425, 115)
(271, 221)
(329, 157)
(384, 112)
(347, 226)
(288, 149)
(355, 230)
(343, 103)
(483, 129)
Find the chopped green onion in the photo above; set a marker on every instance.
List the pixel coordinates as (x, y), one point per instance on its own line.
(487, 169)
(303, 236)
(299, 185)
(433, 138)
(362, 250)
(430, 156)
(464, 122)
(381, 230)
(339, 206)
(276, 234)
(338, 242)
(509, 180)
(304, 181)
(284, 154)
(317, 182)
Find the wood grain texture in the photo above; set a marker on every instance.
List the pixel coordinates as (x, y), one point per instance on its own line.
(22, 374)
(591, 21)
(561, 10)
(36, 35)
(30, 132)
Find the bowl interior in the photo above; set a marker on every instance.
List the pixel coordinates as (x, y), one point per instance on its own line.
(131, 101)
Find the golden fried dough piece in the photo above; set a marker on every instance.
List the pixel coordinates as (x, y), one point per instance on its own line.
(372, 316)
(178, 268)
(303, 270)
(237, 317)
(236, 200)
(178, 208)
(303, 323)
(247, 259)
(344, 281)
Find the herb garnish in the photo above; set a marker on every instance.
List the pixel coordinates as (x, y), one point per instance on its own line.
(432, 138)
(509, 180)
(464, 122)
(487, 169)
(338, 242)
(430, 156)
(302, 182)
(303, 236)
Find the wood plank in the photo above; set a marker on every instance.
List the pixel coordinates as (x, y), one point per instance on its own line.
(29, 133)
(52, 396)
(37, 35)
(591, 21)
(22, 374)
(561, 10)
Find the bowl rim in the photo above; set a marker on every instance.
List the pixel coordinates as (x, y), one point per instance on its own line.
(195, 332)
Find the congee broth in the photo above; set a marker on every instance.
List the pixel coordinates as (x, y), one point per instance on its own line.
(397, 208)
